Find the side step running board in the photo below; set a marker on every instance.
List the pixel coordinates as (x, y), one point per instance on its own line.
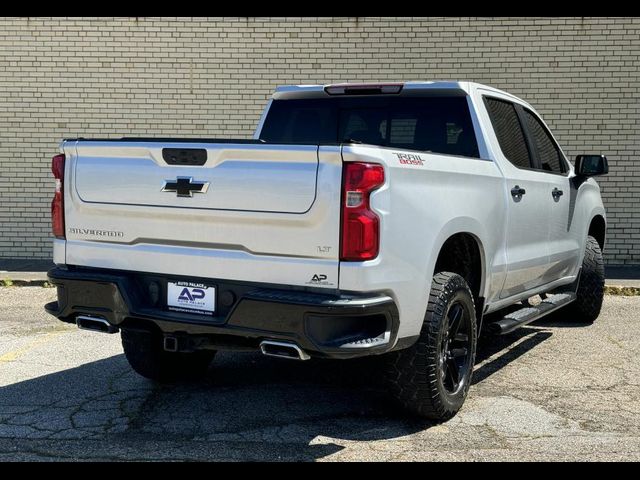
(525, 315)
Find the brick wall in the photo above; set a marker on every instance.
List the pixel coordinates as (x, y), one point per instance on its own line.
(210, 77)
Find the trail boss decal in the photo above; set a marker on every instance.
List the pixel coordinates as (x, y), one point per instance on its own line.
(409, 159)
(191, 298)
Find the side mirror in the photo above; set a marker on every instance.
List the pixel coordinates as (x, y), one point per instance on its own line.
(591, 165)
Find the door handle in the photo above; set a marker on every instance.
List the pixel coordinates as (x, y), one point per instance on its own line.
(517, 191)
(557, 193)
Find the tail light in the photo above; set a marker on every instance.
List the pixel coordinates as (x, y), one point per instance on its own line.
(57, 204)
(360, 225)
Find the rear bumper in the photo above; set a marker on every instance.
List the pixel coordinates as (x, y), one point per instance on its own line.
(324, 325)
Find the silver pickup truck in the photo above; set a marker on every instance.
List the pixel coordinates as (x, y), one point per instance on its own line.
(391, 220)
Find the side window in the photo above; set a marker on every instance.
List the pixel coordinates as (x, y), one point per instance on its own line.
(548, 151)
(504, 119)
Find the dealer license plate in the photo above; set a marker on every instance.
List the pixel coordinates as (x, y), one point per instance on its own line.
(189, 297)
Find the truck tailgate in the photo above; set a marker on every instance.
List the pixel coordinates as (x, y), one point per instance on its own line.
(254, 178)
(236, 211)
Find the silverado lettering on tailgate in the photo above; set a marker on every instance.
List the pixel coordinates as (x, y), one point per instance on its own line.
(96, 233)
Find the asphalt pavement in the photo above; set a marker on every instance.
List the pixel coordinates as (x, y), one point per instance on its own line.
(553, 390)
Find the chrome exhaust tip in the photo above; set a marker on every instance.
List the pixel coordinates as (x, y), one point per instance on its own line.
(95, 324)
(287, 350)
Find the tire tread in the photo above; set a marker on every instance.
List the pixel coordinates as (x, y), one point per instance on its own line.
(412, 373)
(590, 292)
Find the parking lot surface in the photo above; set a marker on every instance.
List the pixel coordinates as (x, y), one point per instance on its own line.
(550, 391)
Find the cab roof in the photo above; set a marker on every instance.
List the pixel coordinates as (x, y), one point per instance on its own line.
(449, 87)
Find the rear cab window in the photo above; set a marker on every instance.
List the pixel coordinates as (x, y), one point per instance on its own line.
(438, 124)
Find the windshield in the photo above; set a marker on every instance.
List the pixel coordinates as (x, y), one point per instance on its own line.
(437, 124)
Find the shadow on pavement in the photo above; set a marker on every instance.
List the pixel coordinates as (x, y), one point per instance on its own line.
(506, 348)
(510, 347)
(249, 407)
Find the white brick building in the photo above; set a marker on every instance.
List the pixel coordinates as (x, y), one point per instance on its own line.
(204, 77)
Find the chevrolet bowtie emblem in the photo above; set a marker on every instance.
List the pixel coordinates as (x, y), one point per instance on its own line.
(185, 186)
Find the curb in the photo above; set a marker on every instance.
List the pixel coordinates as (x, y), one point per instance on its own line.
(621, 291)
(617, 290)
(23, 276)
(24, 283)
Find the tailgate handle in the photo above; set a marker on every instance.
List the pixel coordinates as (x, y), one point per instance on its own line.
(185, 156)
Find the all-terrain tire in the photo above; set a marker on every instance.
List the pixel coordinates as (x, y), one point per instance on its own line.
(146, 355)
(590, 292)
(415, 375)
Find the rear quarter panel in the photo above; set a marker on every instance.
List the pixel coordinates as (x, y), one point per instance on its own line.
(420, 206)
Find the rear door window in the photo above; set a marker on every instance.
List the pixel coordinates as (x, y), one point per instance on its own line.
(509, 132)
